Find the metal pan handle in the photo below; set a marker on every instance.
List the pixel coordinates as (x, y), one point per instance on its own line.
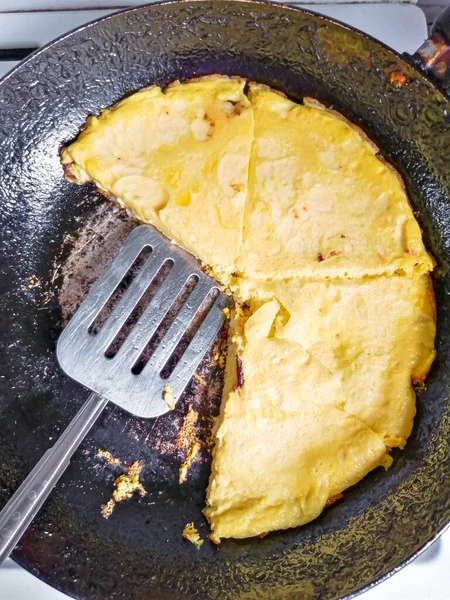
(433, 56)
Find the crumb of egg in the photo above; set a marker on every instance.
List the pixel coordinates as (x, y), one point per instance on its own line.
(124, 487)
(114, 462)
(168, 396)
(191, 534)
(128, 483)
(107, 509)
(190, 458)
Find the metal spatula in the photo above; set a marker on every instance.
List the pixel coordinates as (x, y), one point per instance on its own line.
(109, 357)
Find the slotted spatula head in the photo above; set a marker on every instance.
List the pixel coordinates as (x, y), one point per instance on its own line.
(116, 357)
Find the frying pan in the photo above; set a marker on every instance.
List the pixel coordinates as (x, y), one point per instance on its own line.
(55, 237)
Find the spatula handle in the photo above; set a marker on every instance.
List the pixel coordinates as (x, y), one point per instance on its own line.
(31, 495)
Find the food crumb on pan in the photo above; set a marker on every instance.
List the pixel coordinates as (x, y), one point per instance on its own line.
(191, 456)
(114, 462)
(33, 282)
(128, 483)
(168, 396)
(107, 509)
(191, 534)
(124, 487)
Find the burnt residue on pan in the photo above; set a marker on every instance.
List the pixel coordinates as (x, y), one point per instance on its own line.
(82, 259)
(181, 438)
(86, 252)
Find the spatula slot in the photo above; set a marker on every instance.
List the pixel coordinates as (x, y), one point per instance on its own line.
(139, 308)
(123, 285)
(188, 334)
(159, 335)
(150, 312)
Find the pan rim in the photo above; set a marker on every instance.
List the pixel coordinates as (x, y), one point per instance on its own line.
(279, 5)
(282, 7)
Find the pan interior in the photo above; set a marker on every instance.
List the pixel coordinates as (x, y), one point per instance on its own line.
(56, 238)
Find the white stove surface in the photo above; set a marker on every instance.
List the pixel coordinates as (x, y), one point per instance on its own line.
(400, 26)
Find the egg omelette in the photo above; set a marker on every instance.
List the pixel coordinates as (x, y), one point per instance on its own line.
(292, 209)
(284, 444)
(321, 202)
(137, 154)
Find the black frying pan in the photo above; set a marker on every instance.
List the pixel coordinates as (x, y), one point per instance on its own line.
(55, 237)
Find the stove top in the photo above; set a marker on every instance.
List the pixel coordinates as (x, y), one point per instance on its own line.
(400, 26)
